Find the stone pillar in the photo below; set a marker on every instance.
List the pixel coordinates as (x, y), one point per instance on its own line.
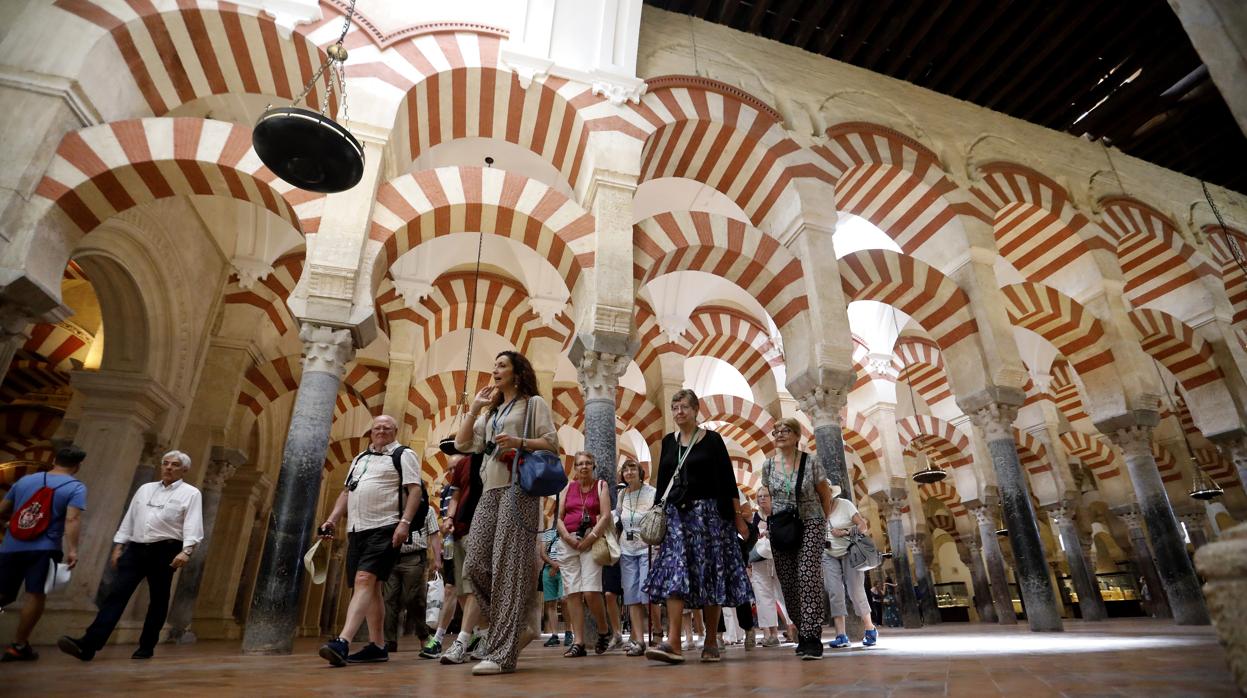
(911, 615)
(225, 462)
(1176, 572)
(599, 375)
(1224, 565)
(996, 422)
(1090, 603)
(275, 604)
(994, 559)
(978, 576)
(1158, 605)
(823, 405)
(245, 493)
(922, 577)
(1236, 450)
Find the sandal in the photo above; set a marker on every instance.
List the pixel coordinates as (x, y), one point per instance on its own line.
(664, 652)
(576, 650)
(710, 654)
(603, 643)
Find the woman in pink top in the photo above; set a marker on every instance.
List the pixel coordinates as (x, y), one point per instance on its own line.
(584, 516)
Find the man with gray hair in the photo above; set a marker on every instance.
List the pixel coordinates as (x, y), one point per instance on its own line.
(160, 532)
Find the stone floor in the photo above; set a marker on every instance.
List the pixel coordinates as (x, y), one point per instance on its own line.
(1120, 657)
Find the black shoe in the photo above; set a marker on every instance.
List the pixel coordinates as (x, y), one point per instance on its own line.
(567, 639)
(391, 645)
(813, 649)
(142, 653)
(335, 651)
(370, 653)
(553, 641)
(19, 653)
(74, 648)
(802, 646)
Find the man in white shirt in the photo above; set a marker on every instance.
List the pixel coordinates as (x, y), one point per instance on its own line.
(161, 530)
(380, 499)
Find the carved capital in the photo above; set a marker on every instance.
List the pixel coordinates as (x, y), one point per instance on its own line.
(1129, 514)
(326, 349)
(250, 270)
(892, 507)
(996, 420)
(1060, 513)
(219, 472)
(983, 514)
(823, 404)
(599, 374)
(1234, 448)
(1135, 441)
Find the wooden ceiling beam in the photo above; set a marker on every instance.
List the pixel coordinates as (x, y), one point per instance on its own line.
(861, 38)
(939, 41)
(832, 35)
(783, 18)
(814, 15)
(964, 45)
(870, 60)
(757, 15)
(915, 37)
(997, 50)
(726, 11)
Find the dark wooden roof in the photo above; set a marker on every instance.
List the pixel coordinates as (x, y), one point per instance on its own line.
(1120, 71)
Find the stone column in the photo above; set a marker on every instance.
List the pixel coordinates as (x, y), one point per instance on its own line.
(599, 375)
(225, 462)
(1235, 448)
(1176, 572)
(822, 405)
(922, 576)
(994, 560)
(1090, 603)
(246, 492)
(911, 615)
(275, 604)
(996, 422)
(978, 576)
(1142, 556)
(1224, 565)
(1194, 522)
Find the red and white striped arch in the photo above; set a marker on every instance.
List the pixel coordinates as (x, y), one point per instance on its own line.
(637, 412)
(271, 293)
(1061, 320)
(568, 402)
(1166, 463)
(897, 184)
(935, 438)
(427, 398)
(1031, 452)
(1228, 246)
(1176, 345)
(177, 51)
(1064, 389)
(739, 436)
(63, 345)
(367, 383)
(716, 134)
(418, 207)
(103, 170)
(916, 289)
(1217, 466)
(1154, 258)
(862, 438)
(264, 383)
(1094, 453)
(29, 376)
(343, 451)
(920, 364)
(725, 247)
(654, 342)
(29, 423)
(945, 491)
(748, 416)
(734, 337)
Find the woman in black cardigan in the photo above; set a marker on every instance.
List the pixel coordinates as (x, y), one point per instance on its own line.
(698, 564)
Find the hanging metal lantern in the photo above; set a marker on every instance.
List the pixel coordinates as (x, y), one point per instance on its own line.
(1203, 487)
(307, 148)
(930, 474)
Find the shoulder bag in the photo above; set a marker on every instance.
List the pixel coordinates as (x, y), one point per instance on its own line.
(654, 523)
(862, 554)
(785, 527)
(540, 473)
(605, 550)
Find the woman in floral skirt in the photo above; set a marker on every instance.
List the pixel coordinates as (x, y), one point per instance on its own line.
(698, 564)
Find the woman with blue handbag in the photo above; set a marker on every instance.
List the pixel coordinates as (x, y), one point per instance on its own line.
(501, 557)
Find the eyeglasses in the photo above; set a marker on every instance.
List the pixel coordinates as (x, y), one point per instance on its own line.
(781, 431)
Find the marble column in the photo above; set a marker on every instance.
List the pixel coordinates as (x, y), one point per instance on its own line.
(275, 603)
(996, 422)
(922, 576)
(823, 405)
(994, 560)
(225, 462)
(1157, 604)
(1090, 603)
(978, 577)
(911, 615)
(599, 375)
(1174, 567)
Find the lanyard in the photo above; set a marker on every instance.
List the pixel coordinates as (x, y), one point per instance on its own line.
(682, 452)
(363, 456)
(501, 415)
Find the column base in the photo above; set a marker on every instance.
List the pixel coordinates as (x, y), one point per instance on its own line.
(52, 625)
(1222, 564)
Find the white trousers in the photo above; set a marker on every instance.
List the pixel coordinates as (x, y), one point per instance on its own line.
(767, 594)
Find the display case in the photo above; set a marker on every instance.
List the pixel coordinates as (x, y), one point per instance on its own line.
(952, 595)
(1118, 586)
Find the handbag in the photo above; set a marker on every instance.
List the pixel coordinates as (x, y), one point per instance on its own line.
(654, 523)
(785, 527)
(540, 473)
(863, 554)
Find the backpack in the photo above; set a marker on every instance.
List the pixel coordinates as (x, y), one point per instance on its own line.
(34, 516)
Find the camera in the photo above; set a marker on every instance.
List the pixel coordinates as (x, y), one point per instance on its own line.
(352, 485)
(630, 536)
(585, 526)
(490, 447)
(324, 531)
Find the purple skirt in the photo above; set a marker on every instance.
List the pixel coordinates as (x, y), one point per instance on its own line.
(699, 561)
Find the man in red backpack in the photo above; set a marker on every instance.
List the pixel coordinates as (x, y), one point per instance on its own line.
(41, 514)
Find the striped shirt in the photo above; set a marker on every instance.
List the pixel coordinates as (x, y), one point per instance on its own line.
(375, 502)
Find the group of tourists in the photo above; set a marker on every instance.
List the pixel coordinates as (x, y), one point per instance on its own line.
(712, 560)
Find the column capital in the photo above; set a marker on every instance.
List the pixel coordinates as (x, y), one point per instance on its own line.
(890, 504)
(996, 420)
(1134, 440)
(984, 512)
(326, 349)
(223, 463)
(823, 404)
(1061, 512)
(1131, 516)
(599, 374)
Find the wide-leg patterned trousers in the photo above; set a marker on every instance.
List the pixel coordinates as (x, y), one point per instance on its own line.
(501, 562)
(800, 575)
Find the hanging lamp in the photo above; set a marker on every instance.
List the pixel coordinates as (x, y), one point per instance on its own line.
(306, 148)
(930, 474)
(1203, 487)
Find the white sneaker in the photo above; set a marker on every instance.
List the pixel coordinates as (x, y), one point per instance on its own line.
(488, 668)
(478, 653)
(457, 654)
(617, 643)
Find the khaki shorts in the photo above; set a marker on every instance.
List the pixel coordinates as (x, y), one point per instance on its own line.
(580, 572)
(462, 584)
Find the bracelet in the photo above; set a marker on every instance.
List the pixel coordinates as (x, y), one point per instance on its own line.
(405, 521)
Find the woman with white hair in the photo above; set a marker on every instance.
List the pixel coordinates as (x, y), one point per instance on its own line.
(160, 532)
(839, 574)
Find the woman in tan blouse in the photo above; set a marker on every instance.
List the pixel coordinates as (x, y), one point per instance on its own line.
(501, 559)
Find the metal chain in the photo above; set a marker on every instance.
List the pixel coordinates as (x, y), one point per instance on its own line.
(1235, 251)
(339, 74)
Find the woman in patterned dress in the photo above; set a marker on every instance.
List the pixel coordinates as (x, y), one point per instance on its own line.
(698, 564)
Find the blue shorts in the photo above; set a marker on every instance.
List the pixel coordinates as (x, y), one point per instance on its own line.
(633, 570)
(551, 584)
(29, 566)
